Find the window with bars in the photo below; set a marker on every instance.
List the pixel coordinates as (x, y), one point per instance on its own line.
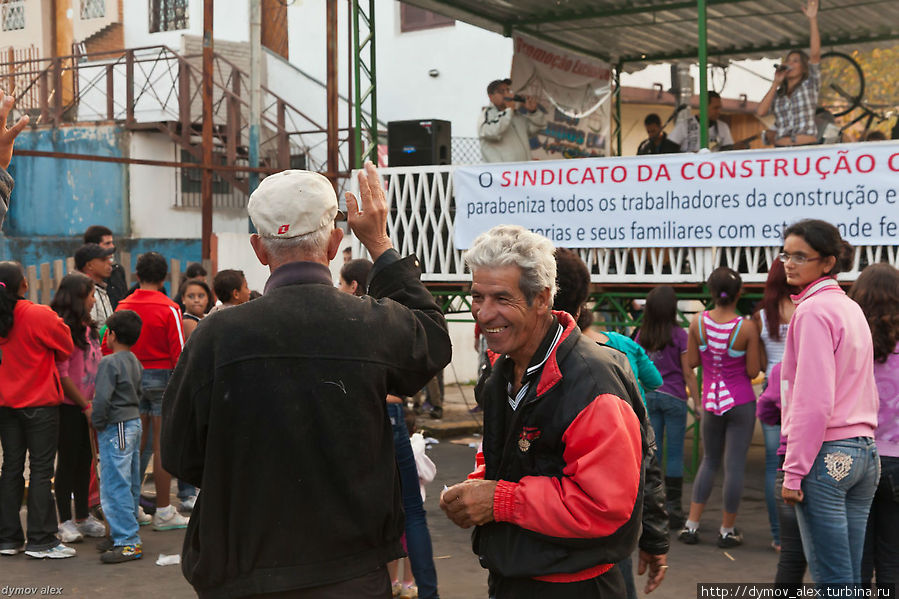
(168, 15)
(12, 15)
(93, 9)
(413, 18)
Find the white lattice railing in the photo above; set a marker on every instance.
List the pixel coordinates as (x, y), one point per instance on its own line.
(422, 207)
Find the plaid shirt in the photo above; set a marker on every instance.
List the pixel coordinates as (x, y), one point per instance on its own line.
(794, 114)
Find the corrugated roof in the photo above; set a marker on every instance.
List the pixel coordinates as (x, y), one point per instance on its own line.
(645, 31)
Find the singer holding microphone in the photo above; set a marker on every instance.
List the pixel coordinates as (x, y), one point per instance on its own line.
(508, 123)
(794, 93)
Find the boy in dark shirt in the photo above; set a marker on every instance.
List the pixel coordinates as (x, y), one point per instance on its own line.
(116, 418)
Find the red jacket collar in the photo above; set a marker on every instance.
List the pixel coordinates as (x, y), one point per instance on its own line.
(551, 373)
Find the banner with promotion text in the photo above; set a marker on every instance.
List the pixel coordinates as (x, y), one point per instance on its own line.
(572, 90)
(725, 199)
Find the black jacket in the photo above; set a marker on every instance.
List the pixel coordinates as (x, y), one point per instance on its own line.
(666, 146)
(570, 461)
(276, 411)
(116, 288)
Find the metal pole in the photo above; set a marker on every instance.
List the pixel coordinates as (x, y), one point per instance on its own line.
(617, 116)
(358, 142)
(351, 140)
(703, 74)
(333, 106)
(206, 186)
(255, 96)
(373, 156)
(255, 87)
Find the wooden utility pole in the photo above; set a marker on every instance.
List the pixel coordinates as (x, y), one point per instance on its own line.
(206, 187)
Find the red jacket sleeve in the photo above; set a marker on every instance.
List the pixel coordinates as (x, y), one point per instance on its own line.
(597, 491)
(480, 468)
(56, 336)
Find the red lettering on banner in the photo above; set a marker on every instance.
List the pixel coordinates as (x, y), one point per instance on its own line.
(623, 174)
(710, 172)
(505, 178)
(588, 174)
(644, 172)
(683, 171)
(893, 167)
(780, 167)
(663, 172)
(858, 161)
(529, 178)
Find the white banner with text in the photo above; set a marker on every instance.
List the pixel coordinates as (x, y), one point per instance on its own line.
(687, 200)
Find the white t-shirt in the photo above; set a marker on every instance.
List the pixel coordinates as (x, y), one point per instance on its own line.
(686, 134)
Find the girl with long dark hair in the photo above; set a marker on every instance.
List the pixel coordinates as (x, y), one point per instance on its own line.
(877, 292)
(829, 405)
(726, 345)
(665, 342)
(32, 339)
(73, 303)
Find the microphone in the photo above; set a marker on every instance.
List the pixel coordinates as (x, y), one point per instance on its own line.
(517, 98)
(782, 67)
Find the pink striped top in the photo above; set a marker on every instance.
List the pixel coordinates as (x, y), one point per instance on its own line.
(725, 383)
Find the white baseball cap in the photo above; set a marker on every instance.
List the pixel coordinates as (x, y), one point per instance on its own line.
(293, 203)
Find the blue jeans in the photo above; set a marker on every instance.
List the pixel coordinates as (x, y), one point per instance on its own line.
(119, 447)
(772, 443)
(834, 512)
(418, 538)
(34, 430)
(152, 387)
(668, 417)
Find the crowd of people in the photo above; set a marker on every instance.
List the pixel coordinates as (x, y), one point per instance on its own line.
(281, 418)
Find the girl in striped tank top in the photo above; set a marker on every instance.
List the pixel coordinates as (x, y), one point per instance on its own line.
(727, 347)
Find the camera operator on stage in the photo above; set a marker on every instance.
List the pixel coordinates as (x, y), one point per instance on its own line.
(504, 130)
(794, 93)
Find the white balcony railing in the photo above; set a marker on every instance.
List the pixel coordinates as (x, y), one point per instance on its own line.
(422, 210)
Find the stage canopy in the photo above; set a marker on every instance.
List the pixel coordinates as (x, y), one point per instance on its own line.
(640, 32)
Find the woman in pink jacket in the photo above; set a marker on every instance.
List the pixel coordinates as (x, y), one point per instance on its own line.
(829, 406)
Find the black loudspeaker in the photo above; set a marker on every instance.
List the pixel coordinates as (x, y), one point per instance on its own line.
(420, 142)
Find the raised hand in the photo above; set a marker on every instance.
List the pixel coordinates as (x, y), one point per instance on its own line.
(8, 134)
(367, 216)
(811, 9)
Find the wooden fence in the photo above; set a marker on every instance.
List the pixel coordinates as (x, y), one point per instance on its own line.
(44, 278)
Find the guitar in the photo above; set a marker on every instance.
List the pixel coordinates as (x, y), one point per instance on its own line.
(743, 144)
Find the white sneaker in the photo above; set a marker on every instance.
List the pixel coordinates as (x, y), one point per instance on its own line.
(58, 552)
(12, 550)
(188, 504)
(69, 533)
(91, 527)
(143, 518)
(168, 518)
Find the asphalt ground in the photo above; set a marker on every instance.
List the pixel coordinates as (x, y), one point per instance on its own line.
(460, 576)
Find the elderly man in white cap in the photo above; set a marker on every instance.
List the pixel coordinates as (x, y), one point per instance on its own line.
(276, 409)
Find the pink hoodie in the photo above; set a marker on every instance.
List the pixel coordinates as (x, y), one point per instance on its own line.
(827, 381)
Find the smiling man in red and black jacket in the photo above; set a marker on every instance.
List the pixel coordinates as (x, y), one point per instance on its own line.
(557, 497)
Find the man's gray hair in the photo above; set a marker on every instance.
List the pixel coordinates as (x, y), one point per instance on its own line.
(312, 244)
(511, 245)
